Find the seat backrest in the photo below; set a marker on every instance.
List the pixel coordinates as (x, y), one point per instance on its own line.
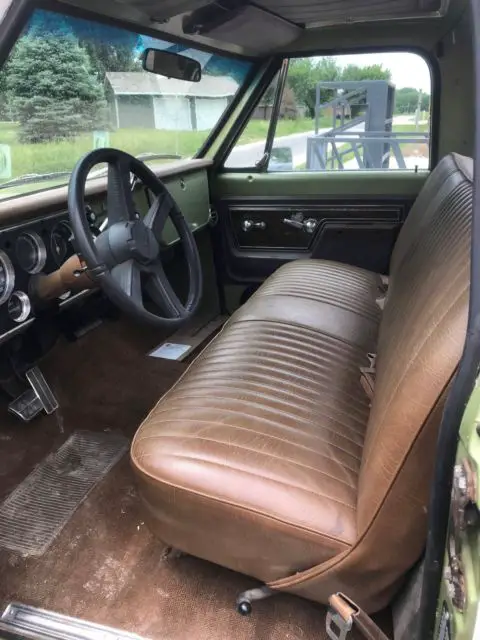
(421, 339)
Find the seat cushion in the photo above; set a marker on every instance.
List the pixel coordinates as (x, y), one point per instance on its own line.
(252, 459)
(331, 297)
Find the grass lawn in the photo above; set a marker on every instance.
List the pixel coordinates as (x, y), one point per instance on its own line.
(61, 155)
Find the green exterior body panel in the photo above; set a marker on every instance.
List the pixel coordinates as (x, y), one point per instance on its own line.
(466, 625)
(342, 184)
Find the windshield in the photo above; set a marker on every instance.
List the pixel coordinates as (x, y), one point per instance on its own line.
(71, 85)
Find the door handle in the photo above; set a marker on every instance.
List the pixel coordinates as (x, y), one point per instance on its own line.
(249, 225)
(298, 221)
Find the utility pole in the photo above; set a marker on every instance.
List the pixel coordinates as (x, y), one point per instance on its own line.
(417, 112)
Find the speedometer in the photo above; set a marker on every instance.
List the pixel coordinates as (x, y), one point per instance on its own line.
(31, 252)
(7, 277)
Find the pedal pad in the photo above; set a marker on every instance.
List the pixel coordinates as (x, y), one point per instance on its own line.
(32, 401)
(42, 390)
(26, 406)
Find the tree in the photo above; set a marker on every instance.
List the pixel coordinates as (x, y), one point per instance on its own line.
(406, 100)
(306, 73)
(55, 93)
(3, 93)
(106, 56)
(369, 72)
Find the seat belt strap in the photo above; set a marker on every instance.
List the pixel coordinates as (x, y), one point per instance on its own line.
(367, 375)
(383, 288)
(343, 615)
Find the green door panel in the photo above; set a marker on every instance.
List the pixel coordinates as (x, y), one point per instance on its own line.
(465, 625)
(310, 183)
(354, 218)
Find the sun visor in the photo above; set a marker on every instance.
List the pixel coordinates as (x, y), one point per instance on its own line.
(246, 26)
(319, 13)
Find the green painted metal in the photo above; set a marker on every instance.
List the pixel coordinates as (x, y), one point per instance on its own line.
(463, 625)
(305, 184)
(190, 192)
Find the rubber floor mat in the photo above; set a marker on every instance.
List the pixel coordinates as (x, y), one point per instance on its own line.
(38, 509)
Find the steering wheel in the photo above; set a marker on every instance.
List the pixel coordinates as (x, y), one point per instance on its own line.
(125, 258)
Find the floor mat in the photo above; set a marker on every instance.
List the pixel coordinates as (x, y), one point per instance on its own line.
(38, 509)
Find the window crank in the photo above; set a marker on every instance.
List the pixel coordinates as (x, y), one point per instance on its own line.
(298, 221)
(249, 225)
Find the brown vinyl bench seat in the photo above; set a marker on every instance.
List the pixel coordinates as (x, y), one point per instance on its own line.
(269, 457)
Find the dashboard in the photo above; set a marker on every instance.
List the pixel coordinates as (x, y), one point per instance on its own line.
(44, 240)
(39, 246)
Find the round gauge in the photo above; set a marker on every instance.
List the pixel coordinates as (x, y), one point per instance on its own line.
(19, 306)
(7, 277)
(31, 252)
(61, 242)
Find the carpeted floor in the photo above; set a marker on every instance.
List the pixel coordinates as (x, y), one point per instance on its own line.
(105, 566)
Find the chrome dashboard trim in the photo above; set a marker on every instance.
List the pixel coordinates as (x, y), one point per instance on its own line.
(10, 277)
(41, 248)
(25, 306)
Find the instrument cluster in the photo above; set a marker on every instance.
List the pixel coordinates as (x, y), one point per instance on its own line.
(37, 246)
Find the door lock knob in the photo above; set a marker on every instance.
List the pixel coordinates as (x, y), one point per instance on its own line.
(249, 225)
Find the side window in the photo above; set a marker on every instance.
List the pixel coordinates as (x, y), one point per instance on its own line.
(250, 146)
(347, 113)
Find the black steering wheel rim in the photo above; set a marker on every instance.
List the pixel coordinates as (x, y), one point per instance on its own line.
(127, 253)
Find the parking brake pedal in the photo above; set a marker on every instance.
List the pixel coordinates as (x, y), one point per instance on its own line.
(31, 402)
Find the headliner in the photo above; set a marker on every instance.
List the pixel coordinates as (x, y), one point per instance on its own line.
(264, 27)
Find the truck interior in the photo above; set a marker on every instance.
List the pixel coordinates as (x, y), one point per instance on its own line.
(237, 327)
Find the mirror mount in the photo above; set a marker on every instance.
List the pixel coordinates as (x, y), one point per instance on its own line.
(171, 65)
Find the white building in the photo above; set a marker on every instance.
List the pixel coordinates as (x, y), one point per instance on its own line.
(145, 100)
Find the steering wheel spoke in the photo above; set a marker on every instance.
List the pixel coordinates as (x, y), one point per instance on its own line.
(120, 205)
(162, 293)
(158, 214)
(128, 276)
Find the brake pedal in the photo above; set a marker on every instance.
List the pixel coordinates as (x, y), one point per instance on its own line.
(32, 401)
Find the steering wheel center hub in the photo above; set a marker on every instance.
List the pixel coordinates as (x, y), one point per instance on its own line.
(126, 241)
(143, 244)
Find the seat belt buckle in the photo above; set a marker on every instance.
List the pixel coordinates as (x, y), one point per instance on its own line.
(337, 628)
(343, 614)
(340, 617)
(367, 375)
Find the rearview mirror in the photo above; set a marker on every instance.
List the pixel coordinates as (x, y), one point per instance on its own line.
(172, 65)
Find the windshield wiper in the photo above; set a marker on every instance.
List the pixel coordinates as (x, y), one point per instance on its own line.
(31, 178)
